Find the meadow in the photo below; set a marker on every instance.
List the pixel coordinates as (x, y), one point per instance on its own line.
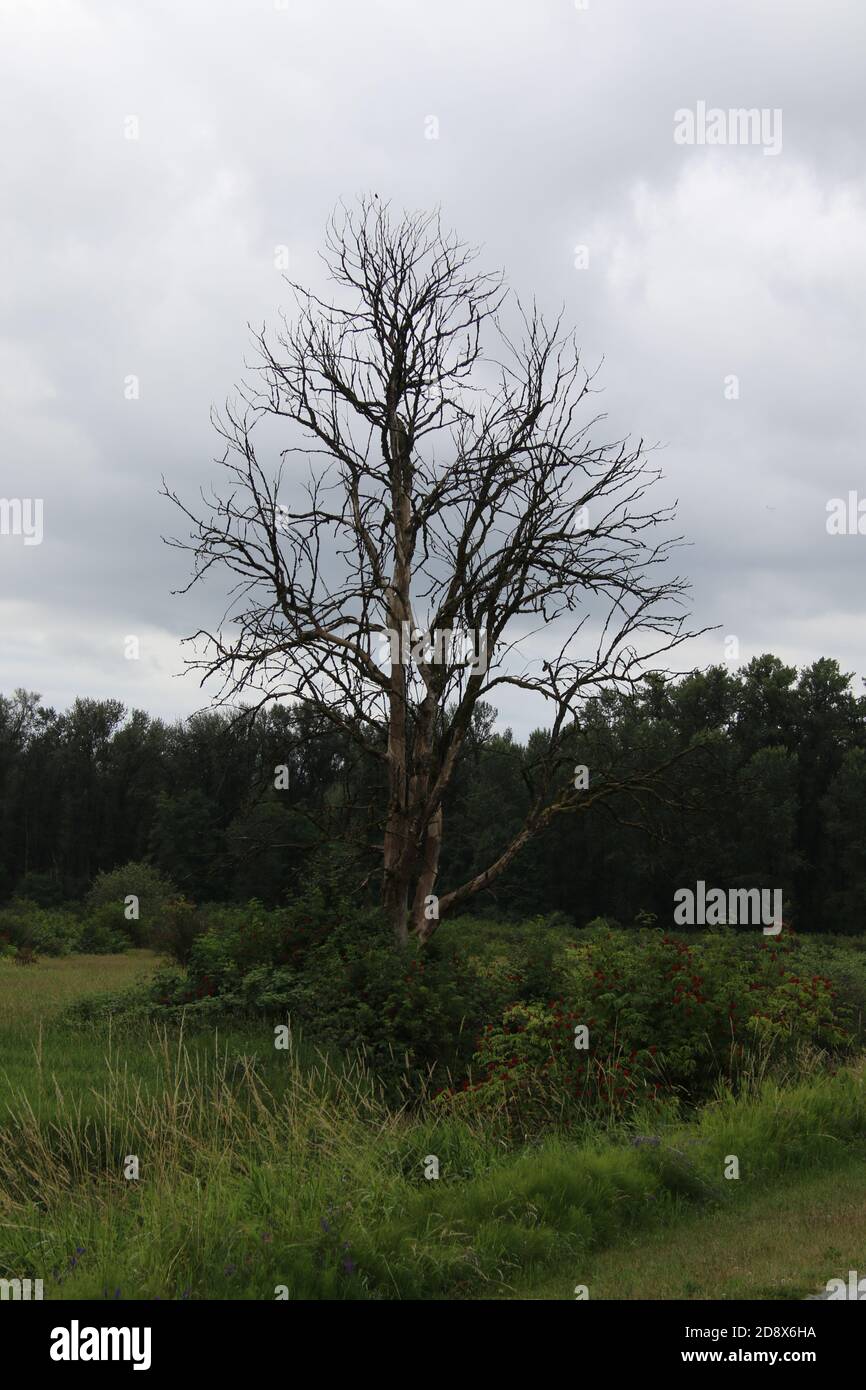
(305, 1171)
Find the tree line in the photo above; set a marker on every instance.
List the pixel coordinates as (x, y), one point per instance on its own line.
(765, 787)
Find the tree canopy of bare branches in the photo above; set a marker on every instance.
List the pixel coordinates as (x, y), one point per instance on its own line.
(455, 502)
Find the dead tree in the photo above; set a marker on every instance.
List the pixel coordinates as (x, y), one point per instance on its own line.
(452, 498)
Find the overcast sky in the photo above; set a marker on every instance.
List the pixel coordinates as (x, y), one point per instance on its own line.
(155, 153)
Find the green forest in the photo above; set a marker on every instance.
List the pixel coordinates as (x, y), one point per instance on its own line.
(772, 793)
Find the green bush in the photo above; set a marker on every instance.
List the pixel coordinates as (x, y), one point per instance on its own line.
(232, 941)
(100, 932)
(493, 1024)
(415, 1014)
(141, 881)
(332, 968)
(703, 1002)
(48, 931)
(178, 927)
(666, 1018)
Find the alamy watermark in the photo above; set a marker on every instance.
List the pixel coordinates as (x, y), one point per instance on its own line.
(77, 1343)
(854, 1290)
(739, 126)
(22, 1290)
(442, 646)
(22, 516)
(714, 907)
(846, 516)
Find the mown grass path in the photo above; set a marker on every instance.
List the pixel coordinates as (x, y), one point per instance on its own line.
(783, 1243)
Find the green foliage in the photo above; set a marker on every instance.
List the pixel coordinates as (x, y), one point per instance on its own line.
(47, 931)
(666, 1018)
(57, 931)
(187, 843)
(700, 1003)
(178, 926)
(413, 1013)
(494, 1027)
(42, 889)
(101, 932)
(270, 1171)
(267, 844)
(843, 813)
(528, 1073)
(333, 970)
(109, 891)
(771, 793)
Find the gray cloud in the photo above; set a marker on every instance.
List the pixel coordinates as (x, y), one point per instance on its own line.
(147, 257)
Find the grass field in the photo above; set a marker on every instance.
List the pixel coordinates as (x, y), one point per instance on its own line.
(262, 1170)
(34, 994)
(45, 1063)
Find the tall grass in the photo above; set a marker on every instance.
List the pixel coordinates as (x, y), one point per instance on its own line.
(294, 1173)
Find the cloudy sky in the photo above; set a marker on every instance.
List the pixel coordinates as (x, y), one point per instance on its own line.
(155, 153)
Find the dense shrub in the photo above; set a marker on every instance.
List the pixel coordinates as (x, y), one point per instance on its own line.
(177, 928)
(665, 1018)
(842, 959)
(111, 890)
(47, 931)
(100, 932)
(493, 1023)
(332, 969)
(415, 1014)
(528, 1071)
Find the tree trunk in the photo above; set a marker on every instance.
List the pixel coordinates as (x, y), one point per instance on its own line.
(395, 865)
(398, 847)
(422, 927)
